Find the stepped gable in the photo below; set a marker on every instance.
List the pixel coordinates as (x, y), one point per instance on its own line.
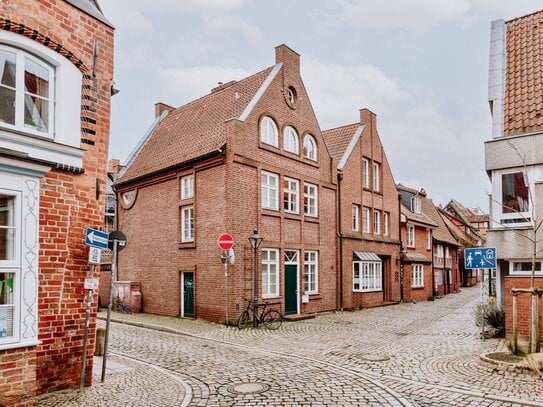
(194, 129)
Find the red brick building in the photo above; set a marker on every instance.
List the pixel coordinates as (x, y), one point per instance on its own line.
(54, 132)
(249, 155)
(416, 253)
(445, 267)
(368, 216)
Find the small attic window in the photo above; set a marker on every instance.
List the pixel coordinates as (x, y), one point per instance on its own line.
(291, 94)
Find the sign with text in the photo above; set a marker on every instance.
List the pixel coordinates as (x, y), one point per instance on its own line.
(480, 258)
(96, 238)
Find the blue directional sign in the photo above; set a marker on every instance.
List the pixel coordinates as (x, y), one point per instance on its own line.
(96, 238)
(480, 258)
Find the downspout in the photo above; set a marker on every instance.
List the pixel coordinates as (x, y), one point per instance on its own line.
(401, 247)
(340, 236)
(433, 272)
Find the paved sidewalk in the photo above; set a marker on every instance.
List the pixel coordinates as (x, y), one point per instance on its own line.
(424, 354)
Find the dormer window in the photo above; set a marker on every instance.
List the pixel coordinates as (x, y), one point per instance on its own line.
(415, 205)
(310, 147)
(26, 93)
(268, 131)
(290, 140)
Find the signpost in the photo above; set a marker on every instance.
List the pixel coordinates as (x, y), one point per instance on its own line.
(97, 240)
(480, 258)
(226, 242)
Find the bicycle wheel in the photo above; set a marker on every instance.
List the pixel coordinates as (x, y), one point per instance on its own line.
(243, 320)
(272, 319)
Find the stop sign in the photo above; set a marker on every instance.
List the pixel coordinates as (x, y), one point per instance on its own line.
(226, 241)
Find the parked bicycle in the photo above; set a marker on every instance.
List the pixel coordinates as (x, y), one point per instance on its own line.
(271, 319)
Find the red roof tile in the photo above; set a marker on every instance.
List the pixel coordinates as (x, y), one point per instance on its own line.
(195, 129)
(523, 102)
(337, 140)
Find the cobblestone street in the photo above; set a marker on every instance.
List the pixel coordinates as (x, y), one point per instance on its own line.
(424, 354)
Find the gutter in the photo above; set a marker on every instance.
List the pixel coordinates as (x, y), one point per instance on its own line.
(340, 236)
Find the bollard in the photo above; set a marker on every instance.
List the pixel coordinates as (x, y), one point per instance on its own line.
(100, 341)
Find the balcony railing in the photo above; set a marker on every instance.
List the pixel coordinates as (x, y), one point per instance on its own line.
(438, 261)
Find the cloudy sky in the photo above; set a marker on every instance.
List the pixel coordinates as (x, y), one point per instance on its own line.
(420, 65)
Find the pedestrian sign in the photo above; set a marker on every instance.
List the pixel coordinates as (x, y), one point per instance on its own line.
(480, 258)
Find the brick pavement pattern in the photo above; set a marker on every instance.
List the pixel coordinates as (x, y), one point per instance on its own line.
(424, 354)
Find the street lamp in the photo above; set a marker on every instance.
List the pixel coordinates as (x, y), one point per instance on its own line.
(255, 239)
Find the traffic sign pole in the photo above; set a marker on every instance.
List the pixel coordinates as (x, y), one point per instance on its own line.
(112, 277)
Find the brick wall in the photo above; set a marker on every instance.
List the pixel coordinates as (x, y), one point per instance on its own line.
(523, 305)
(68, 204)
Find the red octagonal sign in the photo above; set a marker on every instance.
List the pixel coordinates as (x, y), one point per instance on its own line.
(226, 241)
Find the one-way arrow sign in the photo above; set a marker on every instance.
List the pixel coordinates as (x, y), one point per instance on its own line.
(96, 238)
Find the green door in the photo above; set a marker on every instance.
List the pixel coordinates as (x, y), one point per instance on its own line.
(291, 289)
(188, 294)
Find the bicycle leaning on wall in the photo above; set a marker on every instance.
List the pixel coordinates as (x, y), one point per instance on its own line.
(271, 319)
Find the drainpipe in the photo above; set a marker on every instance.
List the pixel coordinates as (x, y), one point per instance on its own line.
(402, 250)
(340, 235)
(433, 272)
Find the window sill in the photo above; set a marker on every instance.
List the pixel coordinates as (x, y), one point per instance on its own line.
(311, 219)
(19, 345)
(187, 245)
(368, 291)
(418, 288)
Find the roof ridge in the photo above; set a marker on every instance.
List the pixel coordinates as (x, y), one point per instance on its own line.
(340, 127)
(524, 16)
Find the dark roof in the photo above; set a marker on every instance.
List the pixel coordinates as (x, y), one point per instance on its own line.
(337, 140)
(415, 217)
(442, 233)
(92, 8)
(523, 101)
(195, 129)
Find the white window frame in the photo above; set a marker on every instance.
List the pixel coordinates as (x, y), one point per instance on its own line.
(21, 57)
(376, 222)
(416, 204)
(291, 195)
(367, 276)
(290, 140)
(311, 272)
(411, 236)
(417, 276)
(511, 219)
(365, 220)
(355, 216)
(311, 199)
(376, 177)
(268, 131)
(187, 187)
(269, 190)
(365, 173)
(385, 224)
(270, 273)
(310, 147)
(187, 224)
(428, 239)
(528, 267)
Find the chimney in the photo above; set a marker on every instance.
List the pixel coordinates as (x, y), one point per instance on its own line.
(287, 56)
(368, 118)
(161, 107)
(114, 167)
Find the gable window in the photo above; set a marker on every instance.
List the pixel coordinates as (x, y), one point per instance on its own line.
(415, 205)
(290, 140)
(410, 236)
(385, 223)
(355, 214)
(376, 177)
(187, 187)
(367, 276)
(291, 188)
(270, 275)
(311, 272)
(26, 92)
(269, 190)
(310, 147)
(187, 224)
(310, 199)
(365, 173)
(376, 222)
(268, 131)
(366, 220)
(417, 276)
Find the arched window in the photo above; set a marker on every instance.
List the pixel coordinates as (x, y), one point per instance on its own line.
(290, 140)
(310, 147)
(268, 131)
(26, 92)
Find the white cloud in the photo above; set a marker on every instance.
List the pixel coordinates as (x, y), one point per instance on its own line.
(338, 91)
(194, 82)
(413, 15)
(225, 22)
